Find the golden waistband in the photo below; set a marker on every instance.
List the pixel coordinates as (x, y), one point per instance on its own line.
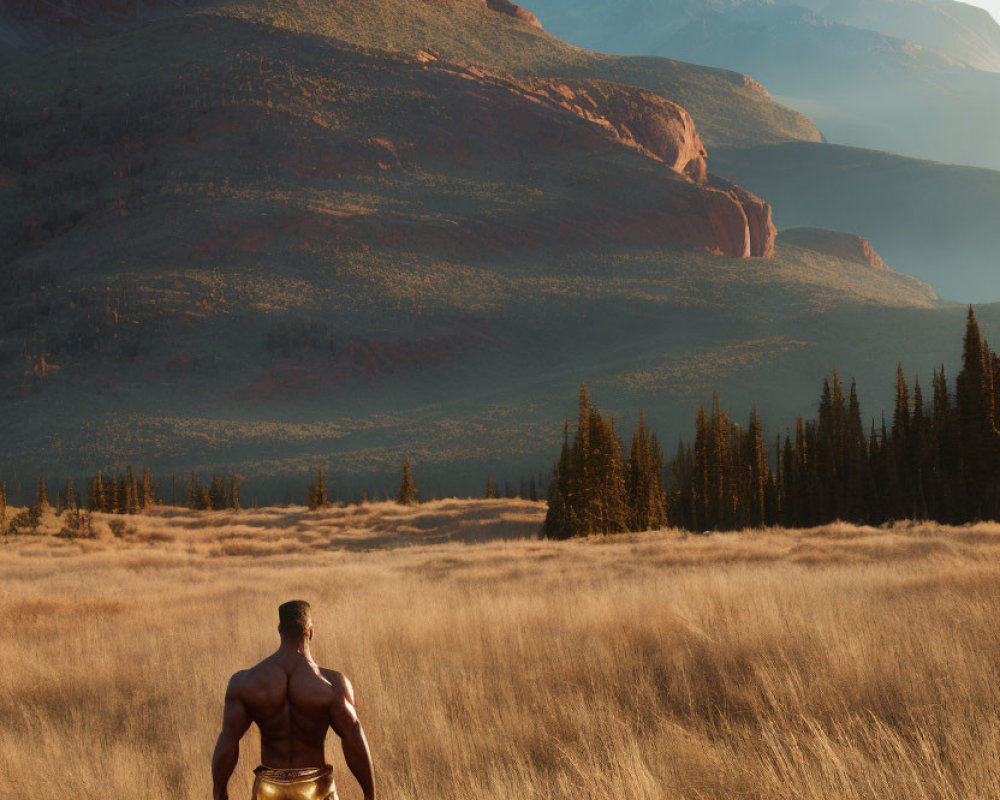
(311, 783)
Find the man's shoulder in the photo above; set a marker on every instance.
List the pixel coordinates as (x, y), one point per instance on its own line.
(338, 681)
(237, 682)
(252, 675)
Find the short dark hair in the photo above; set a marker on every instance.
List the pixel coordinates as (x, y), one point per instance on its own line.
(294, 618)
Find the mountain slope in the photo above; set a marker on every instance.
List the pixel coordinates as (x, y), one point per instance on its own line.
(939, 220)
(727, 108)
(863, 88)
(236, 244)
(962, 31)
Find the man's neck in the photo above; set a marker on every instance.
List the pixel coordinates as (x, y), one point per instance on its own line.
(293, 647)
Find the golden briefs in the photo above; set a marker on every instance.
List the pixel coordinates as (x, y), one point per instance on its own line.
(313, 783)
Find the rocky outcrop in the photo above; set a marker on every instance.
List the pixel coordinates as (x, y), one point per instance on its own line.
(761, 232)
(513, 10)
(755, 86)
(845, 246)
(636, 117)
(699, 211)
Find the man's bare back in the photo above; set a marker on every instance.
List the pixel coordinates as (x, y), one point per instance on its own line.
(293, 702)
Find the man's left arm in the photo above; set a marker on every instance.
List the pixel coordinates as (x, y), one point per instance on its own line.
(235, 721)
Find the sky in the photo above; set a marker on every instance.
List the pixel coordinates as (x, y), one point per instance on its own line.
(993, 6)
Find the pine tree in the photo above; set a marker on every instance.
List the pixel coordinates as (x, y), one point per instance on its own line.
(804, 501)
(946, 495)
(194, 495)
(234, 493)
(317, 491)
(680, 509)
(646, 500)
(719, 474)
(701, 501)
(757, 472)
(131, 496)
(901, 413)
(40, 506)
(219, 497)
(69, 494)
(607, 511)
(587, 493)
(978, 434)
(491, 489)
(559, 522)
(118, 498)
(789, 484)
(98, 500)
(147, 499)
(407, 494)
(582, 485)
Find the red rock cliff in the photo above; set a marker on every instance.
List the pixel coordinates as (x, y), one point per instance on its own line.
(513, 10)
(761, 232)
(636, 117)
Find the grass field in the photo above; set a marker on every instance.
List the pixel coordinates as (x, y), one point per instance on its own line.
(832, 663)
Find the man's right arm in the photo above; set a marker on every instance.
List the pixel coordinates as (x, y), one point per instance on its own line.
(344, 721)
(235, 721)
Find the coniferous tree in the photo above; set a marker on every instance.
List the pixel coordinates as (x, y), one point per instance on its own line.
(947, 501)
(680, 500)
(587, 493)
(317, 491)
(147, 498)
(978, 434)
(559, 522)
(234, 493)
(719, 474)
(701, 500)
(118, 494)
(646, 501)
(756, 472)
(606, 472)
(491, 489)
(788, 483)
(407, 494)
(131, 505)
(855, 460)
(69, 495)
(194, 494)
(919, 454)
(804, 504)
(97, 501)
(218, 496)
(532, 490)
(40, 506)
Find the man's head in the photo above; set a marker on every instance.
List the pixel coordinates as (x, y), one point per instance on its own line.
(295, 620)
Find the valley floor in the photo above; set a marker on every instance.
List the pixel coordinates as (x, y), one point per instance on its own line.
(839, 662)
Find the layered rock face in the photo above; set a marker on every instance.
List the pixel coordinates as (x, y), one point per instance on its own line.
(761, 232)
(638, 118)
(663, 130)
(846, 246)
(729, 220)
(513, 10)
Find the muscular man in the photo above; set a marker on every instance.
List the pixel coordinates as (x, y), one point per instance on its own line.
(293, 701)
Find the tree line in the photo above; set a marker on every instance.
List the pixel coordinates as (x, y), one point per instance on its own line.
(937, 459)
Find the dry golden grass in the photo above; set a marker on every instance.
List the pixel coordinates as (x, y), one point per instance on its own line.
(834, 663)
